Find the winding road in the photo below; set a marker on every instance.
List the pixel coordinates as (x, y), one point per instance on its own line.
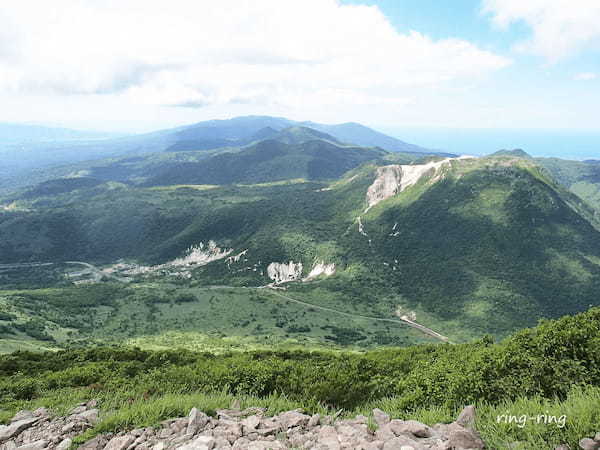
(410, 323)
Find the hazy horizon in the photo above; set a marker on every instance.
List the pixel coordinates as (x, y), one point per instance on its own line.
(475, 64)
(559, 143)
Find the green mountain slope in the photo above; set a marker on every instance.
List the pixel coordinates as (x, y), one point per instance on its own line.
(465, 247)
(580, 177)
(288, 157)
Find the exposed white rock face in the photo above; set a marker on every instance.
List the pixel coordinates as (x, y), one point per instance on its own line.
(320, 269)
(196, 256)
(201, 255)
(236, 258)
(361, 228)
(396, 178)
(387, 184)
(283, 273)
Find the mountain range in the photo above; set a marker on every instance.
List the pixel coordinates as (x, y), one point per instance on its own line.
(294, 233)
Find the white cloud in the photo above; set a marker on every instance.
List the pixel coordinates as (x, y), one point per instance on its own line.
(585, 76)
(560, 27)
(195, 53)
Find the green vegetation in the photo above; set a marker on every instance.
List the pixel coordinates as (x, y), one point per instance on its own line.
(163, 316)
(580, 177)
(553, 368)
(489, 248)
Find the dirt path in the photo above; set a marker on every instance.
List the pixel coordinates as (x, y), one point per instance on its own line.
(410, 323)
(98, 274)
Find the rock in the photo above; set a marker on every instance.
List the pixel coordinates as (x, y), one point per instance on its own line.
(562, 447)
(292, 419)
(589, 444)
(64, 444)
(464, 439)
(41, 412)
(385, 433)
(69, 427)
(92, 403)
(90, 416)
(246, 430)
(241, 444)
(375, 445)
(380, 417)
(597, 437)
(22, 415)
(265, 445)
(411, 427)
(37, 445)
(466, 418)
(165, 433)
(179, 425)
(15, 428)
(251, 423)
(119, 442)
(402, 443)
(314, 421)
(200, 443)
(328, 437)
(78, 410)
(196, 420)
(96, 443)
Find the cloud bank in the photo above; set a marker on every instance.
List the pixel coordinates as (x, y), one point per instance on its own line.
(560, 27)
(194, 53)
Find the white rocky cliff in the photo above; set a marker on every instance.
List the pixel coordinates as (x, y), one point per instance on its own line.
(320, 268)
(201, 254)
(283, 273)
(395, 178)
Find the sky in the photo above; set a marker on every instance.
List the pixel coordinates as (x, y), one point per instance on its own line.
(140, 65)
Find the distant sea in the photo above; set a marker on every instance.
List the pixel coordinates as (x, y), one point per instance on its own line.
(566, 144)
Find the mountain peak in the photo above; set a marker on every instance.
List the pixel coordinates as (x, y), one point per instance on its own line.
(299, 134)
(517, 152)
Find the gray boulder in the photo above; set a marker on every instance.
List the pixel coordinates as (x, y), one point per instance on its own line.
(12, 430)
(411, 427)
(589, 444)
(381, 418)
(467, 417)
(120, 442)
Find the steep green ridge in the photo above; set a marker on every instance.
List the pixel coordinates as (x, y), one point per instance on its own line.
(580, 177)
(482, 246)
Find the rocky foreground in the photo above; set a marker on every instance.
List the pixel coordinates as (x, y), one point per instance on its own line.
(245, 429)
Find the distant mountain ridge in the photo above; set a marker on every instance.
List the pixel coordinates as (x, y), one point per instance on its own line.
(292, 153)
(44, 147)
(358, 134)
(244, 130)
(290, 135)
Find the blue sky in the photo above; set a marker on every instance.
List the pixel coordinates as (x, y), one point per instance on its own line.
(392, 64)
